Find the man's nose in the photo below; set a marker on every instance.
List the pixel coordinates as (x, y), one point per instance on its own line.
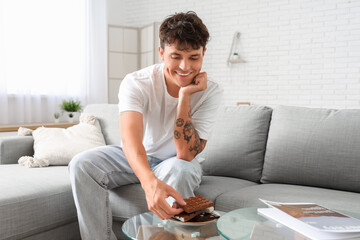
(184, 65)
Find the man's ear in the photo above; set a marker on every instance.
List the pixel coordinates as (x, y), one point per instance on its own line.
(161, 52)
(204, 51)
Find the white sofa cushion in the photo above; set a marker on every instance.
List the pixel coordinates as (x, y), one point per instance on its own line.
(57, 146)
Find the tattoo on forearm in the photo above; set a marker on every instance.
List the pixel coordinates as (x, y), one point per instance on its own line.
(179, 122)
(202, 144)
(188, 131)
(177, 134)
(189, 114)
(197, 147)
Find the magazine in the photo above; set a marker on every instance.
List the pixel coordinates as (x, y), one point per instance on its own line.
(312, 220)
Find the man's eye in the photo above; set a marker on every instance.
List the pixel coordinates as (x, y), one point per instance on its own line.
(194, 58)
(173, 57)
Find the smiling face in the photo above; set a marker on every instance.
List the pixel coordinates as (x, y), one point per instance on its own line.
(181, 66)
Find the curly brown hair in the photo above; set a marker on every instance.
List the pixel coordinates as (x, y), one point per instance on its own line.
(187, 29)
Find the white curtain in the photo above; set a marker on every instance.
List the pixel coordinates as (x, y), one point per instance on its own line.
(50, 50)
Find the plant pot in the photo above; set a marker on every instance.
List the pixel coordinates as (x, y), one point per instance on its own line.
(57, 120)
(71, 116)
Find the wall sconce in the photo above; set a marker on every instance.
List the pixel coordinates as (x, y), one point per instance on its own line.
(234, 55)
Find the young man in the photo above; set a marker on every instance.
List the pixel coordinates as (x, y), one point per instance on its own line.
(166, 112)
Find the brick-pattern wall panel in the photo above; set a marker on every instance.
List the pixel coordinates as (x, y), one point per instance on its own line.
(297, 52)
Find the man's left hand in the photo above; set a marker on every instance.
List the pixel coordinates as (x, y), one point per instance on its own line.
(198, 84)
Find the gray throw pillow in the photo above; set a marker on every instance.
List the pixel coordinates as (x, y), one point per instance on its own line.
(236, 147)
(314, 147)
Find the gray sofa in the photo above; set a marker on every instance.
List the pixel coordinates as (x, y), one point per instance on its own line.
(281, 154)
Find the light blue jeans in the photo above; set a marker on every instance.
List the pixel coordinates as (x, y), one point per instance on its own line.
(93, 173)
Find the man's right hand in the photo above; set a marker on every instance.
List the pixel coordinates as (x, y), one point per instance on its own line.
(156, 192)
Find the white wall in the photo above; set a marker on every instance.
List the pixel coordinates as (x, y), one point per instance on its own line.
(298, 52)
(115, 12)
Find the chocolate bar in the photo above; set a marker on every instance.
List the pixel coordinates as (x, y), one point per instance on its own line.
(196, 203)
(184, 216)
(204, 217)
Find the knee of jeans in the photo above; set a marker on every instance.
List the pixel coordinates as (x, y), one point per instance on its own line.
(184, 168)
(77, 162)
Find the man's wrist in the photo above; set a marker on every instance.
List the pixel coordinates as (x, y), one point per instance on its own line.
(146, 179)
(183, 93)
(184, 98)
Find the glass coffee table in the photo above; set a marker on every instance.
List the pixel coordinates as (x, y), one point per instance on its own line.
(147, 226)
(246, 223)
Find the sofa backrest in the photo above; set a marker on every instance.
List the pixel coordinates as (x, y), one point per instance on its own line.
(237, 143)
(108, 116)
(314, 147)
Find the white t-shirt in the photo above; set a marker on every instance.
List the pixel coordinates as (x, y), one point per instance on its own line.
(145, 91)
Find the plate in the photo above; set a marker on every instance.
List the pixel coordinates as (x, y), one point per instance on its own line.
(196, 223)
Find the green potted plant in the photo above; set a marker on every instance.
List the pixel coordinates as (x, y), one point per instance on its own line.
(71, 107)
(56, 116)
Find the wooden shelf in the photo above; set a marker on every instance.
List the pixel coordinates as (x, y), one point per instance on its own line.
(243, 103)
(235, 53)
(15, 127)
(236, 60)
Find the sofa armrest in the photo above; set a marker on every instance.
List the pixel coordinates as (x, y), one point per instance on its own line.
(12, 148)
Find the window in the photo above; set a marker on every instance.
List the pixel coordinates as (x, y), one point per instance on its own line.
(43, 46)
(50, 50)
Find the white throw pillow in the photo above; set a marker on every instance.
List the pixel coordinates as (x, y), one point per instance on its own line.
(57, 146)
